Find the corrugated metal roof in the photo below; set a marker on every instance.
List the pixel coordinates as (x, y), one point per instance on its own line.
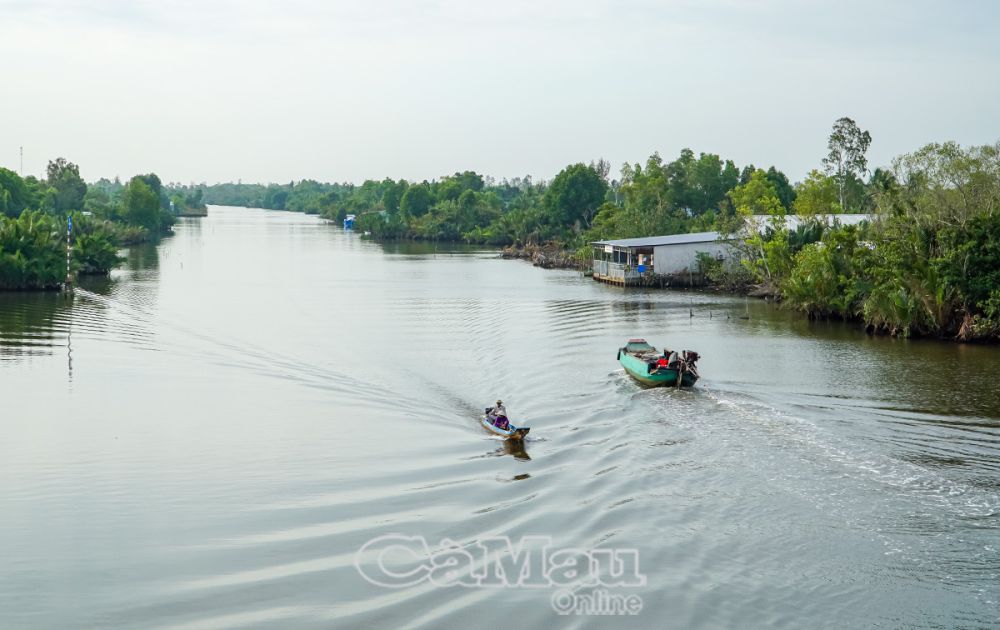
(795, 220)
(653, 241)
(762, 222)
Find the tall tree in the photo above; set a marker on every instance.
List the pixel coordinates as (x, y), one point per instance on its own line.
(846, 158)
(275, 197)
(142, 204)
(782, 187)
(15, 195)
(574, 196)
(679, 175)
(817, 194)
(602, 167)
(153, 181)
(64, 178)
(757, 196)
(881, 183)
(416, 200)
(708, 180)
(469, 180)
(944, 184)
(392, 194)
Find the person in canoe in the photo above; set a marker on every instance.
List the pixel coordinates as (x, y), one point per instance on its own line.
(498, 416)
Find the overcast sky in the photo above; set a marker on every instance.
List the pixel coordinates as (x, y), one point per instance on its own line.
(344, 91)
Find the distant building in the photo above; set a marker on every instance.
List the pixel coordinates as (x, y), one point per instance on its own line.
(633, 261)
(793, 221)
(656, 259)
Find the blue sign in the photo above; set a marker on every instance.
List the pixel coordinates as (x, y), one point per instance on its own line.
(69, 224)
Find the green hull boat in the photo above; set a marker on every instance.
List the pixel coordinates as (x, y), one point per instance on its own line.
(655, 369)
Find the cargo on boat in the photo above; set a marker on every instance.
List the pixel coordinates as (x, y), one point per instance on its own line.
(653, 368)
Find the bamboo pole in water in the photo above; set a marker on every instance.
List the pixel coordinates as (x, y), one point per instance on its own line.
(69, 251)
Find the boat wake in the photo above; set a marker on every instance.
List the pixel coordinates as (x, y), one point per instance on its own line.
(227, 350)
(897, 500)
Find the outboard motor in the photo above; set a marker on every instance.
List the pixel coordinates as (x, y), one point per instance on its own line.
(672, 361)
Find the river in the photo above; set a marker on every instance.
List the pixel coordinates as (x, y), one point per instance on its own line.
(210, 437)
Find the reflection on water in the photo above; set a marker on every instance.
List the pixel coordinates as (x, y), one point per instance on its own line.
(208, 437)
(144, 257)
(514, 448)
(424, 248)
(32, 323)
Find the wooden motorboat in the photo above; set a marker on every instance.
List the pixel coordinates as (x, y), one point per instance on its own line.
(510, 433)
(653, 368)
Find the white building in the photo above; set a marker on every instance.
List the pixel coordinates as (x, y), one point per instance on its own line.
(634, 261)
(793, 221)
(631, 261)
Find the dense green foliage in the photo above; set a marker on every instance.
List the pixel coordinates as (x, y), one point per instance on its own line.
(574, 196)
(32, 251)
(816, 194)
(15, 194)
(828, 277)
(306, 196)
(187, 199)
(928, 264)
(141, 205)
(580, 204)
(66, 187)
(106, 215)
(846, 161)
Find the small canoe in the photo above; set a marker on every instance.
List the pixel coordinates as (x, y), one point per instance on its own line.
(647, 365)
(512, 433)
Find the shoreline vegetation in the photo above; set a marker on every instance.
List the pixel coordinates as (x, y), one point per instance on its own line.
(926, 265)
(545, 256)
(192, 212)
(106, 216)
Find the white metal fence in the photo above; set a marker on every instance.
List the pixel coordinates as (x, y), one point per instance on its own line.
(617, 271)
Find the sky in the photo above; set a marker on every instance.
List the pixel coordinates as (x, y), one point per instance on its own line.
(255, 91)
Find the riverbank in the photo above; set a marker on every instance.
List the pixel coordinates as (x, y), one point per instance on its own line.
(544, 256)
(968, 329)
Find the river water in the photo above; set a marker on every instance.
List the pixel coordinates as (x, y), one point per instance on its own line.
(207, 440)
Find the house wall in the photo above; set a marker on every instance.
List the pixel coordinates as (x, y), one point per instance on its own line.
(675, 259)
